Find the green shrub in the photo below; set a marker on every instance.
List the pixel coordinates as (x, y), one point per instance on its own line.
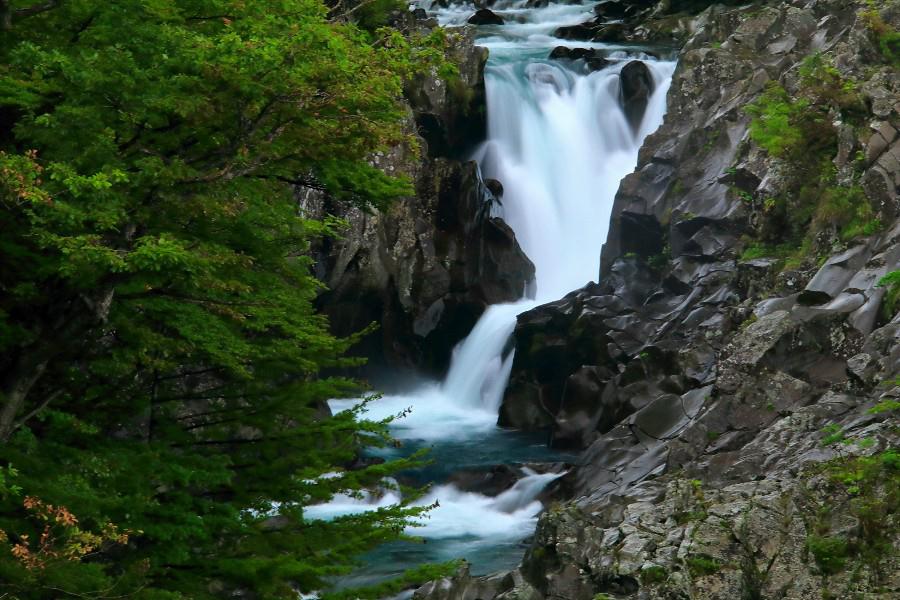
(868, 488)
(799, 130)
(886, 37)
(892, 282)
(829, 552)
(775, 117)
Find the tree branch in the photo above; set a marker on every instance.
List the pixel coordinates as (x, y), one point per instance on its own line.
(37, 9)
(39, 408)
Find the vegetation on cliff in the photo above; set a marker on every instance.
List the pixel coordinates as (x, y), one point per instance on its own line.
(162, 370)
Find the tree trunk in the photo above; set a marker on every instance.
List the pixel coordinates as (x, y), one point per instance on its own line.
(15, 391)
(64, 338)
(5, 15)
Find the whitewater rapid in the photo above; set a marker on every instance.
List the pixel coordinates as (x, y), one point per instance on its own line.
(559, 142)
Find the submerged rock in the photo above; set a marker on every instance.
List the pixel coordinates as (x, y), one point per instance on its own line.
(594, 58)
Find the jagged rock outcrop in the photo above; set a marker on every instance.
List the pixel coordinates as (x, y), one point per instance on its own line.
(738, 409)
(426, 269)
(428, 266)
(643, 21)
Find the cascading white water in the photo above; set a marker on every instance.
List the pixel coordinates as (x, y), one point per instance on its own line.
(560, 143)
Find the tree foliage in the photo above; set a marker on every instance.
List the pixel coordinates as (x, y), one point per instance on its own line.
(162, 370)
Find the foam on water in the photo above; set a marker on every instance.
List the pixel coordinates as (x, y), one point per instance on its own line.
(510, 515)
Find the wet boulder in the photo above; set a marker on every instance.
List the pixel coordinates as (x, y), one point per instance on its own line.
(581, 409)
(583, 32)
(495, 187)
(610, 10)
(489, 481)
(484, 16)
(635, 91)
(834, 275)
(593, 57)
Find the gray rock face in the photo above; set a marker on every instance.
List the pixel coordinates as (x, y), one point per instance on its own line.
(426, 269)
(450, 116)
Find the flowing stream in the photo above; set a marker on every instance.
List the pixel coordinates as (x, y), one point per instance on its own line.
(559, 142)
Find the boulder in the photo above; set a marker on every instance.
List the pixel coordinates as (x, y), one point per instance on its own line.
(490, 481)
(484, 16)
(594, 58)
(582, 32)
(636, 87)
(612, 10)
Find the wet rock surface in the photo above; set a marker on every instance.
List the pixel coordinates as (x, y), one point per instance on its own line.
(484, 16)
(426, 269)
(636, 88)
(593, 58)
(734, 411)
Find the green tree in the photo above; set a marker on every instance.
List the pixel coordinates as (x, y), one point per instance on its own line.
(162, 370)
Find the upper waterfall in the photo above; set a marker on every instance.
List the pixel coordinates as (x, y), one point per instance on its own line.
(559, 142)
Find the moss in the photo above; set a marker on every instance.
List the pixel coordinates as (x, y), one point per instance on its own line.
(683, 518)
(711, 139)
(653, 574)
(834, 434)
(659, 261)
(761, 250)
(700, 565)
(775, 117)
(885, 406)
(749, 321)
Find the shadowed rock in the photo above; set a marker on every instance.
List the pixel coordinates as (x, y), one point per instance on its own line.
(484, 16)
(635, 91)
(593, 57)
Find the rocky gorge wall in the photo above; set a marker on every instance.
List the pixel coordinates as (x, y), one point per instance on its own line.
(733, 378)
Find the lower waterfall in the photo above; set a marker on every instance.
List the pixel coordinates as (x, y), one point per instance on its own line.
(559, 142)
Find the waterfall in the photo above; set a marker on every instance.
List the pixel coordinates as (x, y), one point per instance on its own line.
(560, 143)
